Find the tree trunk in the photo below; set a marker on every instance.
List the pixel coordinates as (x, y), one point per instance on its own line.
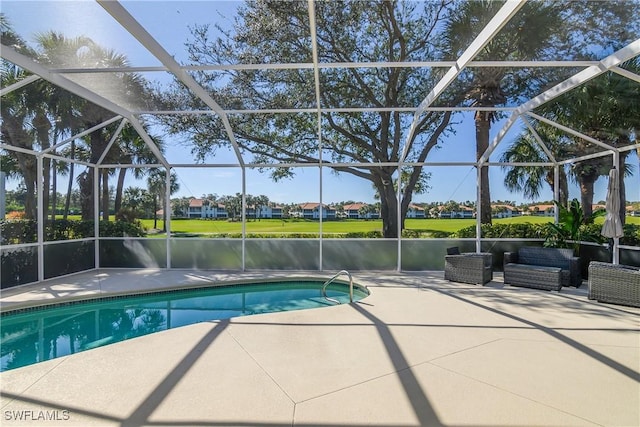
(388, 207)
(42, 126)
(119, 188)
(586, 196)
(623, 197)
(164, 214)
(483, 124)
(85, 184)
(155, 212)
(30, 208)
(12, 128)
(564, 189)
(97, 147)
(28, 167)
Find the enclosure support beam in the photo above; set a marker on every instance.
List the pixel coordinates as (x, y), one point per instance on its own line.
(536, 136)
(243, 206)
(24, 82)
(3, 195)
(570, 131)
(83, 133)
(626, 73)
(311, 6)
(115, 136)
(478, 208)
(96, 215)
(41, 217)
(167, 214)
(399, 216)
(556, 193)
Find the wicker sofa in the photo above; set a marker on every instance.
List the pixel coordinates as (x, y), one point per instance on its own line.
(475, 268)
(542, 268)
(614, 283)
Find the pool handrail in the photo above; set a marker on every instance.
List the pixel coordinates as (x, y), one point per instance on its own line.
(335, 276)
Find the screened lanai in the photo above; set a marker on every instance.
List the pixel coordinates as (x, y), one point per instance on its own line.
(393, 108)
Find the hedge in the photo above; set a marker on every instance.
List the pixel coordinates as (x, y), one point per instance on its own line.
(26, 230)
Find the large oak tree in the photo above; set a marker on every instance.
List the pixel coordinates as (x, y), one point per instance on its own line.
(359, 143)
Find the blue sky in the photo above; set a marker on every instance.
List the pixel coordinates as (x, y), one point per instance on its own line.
(168, 22)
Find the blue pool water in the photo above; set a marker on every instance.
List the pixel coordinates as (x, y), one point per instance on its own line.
(43, 333)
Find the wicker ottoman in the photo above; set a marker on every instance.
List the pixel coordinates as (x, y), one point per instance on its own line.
(533, 276)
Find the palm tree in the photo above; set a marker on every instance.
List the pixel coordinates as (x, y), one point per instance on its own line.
(156, 185)
(16, 127)
(607, 109)
(529, 179)
(59, 51)
(490, 87)
(133, 150)
(541, 29)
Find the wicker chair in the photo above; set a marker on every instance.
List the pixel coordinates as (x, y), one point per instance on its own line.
(475, 268)
(614, 283)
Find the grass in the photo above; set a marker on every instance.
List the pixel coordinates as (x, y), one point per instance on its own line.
(199, 226)
(277, 226)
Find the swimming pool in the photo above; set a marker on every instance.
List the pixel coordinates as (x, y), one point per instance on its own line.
(41, 333)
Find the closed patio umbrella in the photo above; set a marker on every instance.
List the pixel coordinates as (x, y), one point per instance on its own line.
(612, 227)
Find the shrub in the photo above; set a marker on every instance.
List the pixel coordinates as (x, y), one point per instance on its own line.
(121, 229)
(374, 234)
(505, 231)
(425, 234)
(18, 231)
(26, 230)
(631, 235)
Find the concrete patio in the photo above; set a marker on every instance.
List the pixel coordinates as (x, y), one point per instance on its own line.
(419, 351)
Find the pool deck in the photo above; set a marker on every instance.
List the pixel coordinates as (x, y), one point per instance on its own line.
(419, 351)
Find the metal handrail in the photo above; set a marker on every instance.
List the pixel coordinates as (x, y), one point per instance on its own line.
(335, 276)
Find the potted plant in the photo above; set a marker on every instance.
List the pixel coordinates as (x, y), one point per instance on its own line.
(573, 228)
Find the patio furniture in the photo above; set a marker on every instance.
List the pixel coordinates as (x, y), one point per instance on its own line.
(542, 268)
(614, 283)
(472, 268)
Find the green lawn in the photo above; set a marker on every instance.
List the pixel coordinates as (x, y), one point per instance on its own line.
(198, 226)
(203, 227)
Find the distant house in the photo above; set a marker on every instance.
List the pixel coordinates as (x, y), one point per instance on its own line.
(460, 212)
(354, 211)
(312, 211)
(275, 212)
(201, 208)
(505, 211)
(540, 210)
(633, 211)
(195, 208)
(268, 212)
(415, 211)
